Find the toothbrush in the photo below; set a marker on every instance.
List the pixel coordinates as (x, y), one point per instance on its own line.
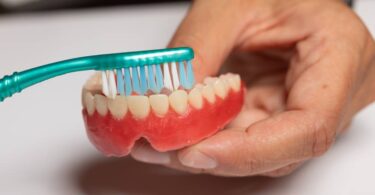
(122, 73)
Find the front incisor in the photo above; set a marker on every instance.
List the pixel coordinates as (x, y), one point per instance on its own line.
(139, 106)
(118, 107)
(179, 101)
(159, 104)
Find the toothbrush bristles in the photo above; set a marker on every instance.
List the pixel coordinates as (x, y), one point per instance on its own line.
(152, 78)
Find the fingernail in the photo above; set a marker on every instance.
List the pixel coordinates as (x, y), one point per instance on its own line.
(149, 155)
(198, 160)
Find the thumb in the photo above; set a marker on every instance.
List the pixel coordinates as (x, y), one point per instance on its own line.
(211, 30)
(263, 147)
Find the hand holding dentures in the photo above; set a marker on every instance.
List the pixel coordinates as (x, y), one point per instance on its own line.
(308, 67)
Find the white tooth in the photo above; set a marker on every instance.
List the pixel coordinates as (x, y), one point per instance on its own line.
(159, 104)
(89, 103)
(179, 101)
(83, 96)
(118, 107)
(234, 81)
(209, 93)
(226, 84)
(209, 80)
(199, 86)
(195, 98)
(101, 104)
(94, 83)
(139, 106)
(237, 78)
(220, 88)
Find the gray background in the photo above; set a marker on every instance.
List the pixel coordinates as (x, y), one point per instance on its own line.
(43, 145)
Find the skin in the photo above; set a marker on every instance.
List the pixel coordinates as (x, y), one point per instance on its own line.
(309, 67)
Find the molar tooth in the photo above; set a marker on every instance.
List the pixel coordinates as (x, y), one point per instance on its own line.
(209, 80)
(234, 81)
(139, 106)
(220, 88)
(89, 103)
(101, 104)
(179, 100)
(159, 104)
(83, 97)
(209, 93)
(118, 107)
(199, 86)
(195, 98)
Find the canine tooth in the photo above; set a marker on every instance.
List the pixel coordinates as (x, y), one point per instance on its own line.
(118, 107)
(89, 103)
(195, 98)
(179, 100)
(220, 88)
(139, 106)
(101, 104)
(159, 104)
(209, 93)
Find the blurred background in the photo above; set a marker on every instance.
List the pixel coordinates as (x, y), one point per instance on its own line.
(13, 6)
(44, 149)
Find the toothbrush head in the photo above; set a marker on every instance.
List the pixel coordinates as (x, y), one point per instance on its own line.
(149, 72)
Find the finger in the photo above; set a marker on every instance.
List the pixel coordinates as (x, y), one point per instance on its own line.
(143, 152)
(267, 145)
(261, 102)
(283, 171)
(211, 30)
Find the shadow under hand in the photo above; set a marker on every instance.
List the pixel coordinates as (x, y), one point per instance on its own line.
(126, 176)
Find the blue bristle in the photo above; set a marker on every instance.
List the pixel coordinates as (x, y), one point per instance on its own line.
(135, 77)
(120, 82)
(151, 79)
(143, 79)
(128, 82)
(182, 72)
(159, 78)
(190, 75)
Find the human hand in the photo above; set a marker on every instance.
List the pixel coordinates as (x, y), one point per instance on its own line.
(309, 67)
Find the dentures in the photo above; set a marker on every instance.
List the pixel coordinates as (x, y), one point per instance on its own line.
(168, 121)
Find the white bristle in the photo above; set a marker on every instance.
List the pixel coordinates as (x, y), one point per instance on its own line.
(131, 72)
(167, 77)
(104, 83)
(112, 84)
(176, 80)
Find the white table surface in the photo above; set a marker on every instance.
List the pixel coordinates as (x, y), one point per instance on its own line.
(43, 145)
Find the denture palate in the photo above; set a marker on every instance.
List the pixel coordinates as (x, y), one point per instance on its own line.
(179, 100)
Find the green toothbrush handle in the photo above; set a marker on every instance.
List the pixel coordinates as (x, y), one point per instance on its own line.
(18, 81)
(9, 86)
